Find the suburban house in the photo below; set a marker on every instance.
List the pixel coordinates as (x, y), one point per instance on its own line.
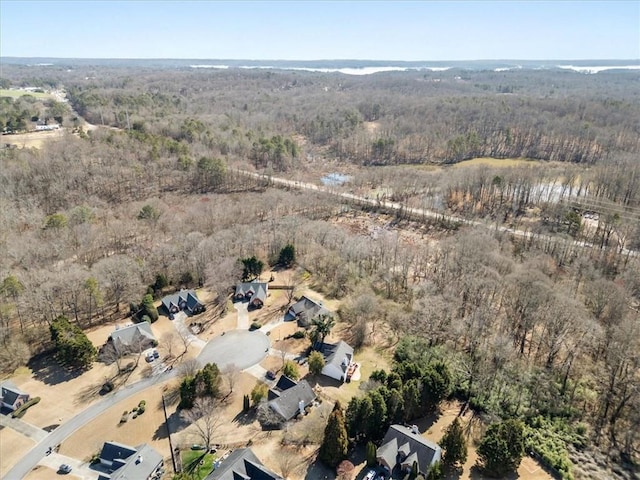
(184, 300)
(288, 399)
(403, 446)
(12, 397)
(253, 292)
(338, 361)
(133, 338)
(242, 464)
(123, 462)
(305, 310)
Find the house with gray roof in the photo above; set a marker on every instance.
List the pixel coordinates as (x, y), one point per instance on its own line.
(305, 310)
(123, 462)
(184, 300)
(403, 446)
(338, 360)
(242, 464)
(286, 400)
(133, 338)
(253, 292)
(12, 397)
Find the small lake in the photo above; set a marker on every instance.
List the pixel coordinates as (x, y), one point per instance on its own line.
(335, 179)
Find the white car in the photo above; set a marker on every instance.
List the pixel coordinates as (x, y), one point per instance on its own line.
(371, 474)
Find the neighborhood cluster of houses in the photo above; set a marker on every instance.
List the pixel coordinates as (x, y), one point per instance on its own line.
(401, 447)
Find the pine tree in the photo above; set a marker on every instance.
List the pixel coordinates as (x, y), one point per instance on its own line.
(336, 443)
(502, 447)
(371, 454)
(454, 444)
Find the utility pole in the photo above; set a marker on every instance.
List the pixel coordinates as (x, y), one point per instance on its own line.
(166, 424)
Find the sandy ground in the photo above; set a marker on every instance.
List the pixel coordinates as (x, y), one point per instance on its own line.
(32, 139)
(12, 446)
(148, 428)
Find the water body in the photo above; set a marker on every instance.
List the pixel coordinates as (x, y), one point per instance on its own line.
(334, 179)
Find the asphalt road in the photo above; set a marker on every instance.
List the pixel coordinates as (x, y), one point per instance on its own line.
(238, 347)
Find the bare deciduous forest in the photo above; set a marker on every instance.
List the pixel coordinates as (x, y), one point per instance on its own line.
(544, 327)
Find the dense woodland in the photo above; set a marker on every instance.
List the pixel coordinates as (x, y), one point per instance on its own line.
(544, 328)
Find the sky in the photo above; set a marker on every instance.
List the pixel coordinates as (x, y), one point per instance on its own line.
(314, 30)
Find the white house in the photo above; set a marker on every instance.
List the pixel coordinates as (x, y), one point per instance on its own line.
(338, 361)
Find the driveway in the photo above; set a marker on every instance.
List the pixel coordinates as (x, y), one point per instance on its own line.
(241, 348)
(243, 315)
(180, 322)
(79, 469)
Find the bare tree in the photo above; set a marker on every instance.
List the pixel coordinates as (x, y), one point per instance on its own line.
(205, 416)
(232, 374)
(168, 342)
(189, 368)
(288, 462)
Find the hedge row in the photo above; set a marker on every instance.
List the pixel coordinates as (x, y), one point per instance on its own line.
(19, 412)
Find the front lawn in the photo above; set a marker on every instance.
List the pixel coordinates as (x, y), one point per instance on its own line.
(197, 463)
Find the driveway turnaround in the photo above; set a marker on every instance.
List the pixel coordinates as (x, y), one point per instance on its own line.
(241, 348)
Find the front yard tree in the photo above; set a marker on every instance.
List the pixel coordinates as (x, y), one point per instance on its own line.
(205, 417)
(502, 447)
(320, 328)
(454, 444)
(336, 442)
(316, 363)
(12, 287)
(259, 393)
(287, 255)
(148, 308)
(291, 370)
(252, 268)
(72, 345)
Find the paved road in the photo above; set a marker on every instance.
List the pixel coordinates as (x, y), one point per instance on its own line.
(239, 347)
(423, 213)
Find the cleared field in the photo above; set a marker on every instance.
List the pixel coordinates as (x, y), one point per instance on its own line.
(4, 92)
(32, 139)
(495, 162)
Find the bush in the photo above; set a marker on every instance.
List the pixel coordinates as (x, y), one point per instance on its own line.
(141, 409)
(298, 334)
(255, 326)
(291, 370)
(18, 413)
(124, 418)
(142, 403)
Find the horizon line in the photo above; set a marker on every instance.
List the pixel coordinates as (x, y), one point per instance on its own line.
(325, 59)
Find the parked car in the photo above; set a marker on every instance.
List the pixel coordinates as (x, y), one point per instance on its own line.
(150, 357)
(270, 375)
(64, 468)
(155, 353)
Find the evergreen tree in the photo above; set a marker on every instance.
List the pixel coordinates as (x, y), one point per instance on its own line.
(454, 444)
(502, 447)
(287, 256)
(316, 363)
(148, 308)
(187, 393)
(336, 443)
(73, 348)
(371, 454)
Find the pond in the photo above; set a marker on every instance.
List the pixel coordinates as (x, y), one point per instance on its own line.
(335, 179)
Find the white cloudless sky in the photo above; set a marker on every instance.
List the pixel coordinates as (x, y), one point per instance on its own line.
(311, 30)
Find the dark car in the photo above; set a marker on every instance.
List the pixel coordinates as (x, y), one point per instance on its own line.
(156, 354)
(270, 375)
(64, 468)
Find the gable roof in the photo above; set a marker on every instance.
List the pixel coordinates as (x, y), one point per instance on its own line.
(129, 462)
(242, 464)
(256, 289)
(284, 383)
(113, 451)
(9, 393)
(335, 354)
(127, 336)
(307, 309)
(287, 403)
(175, 301)
(140, 465)
(416, 448)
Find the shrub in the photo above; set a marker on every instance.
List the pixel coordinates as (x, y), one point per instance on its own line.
(255, 326)
(141, 409)
(291, 370)
(124, 418)
(142, 403)
(19, 412)
(298, 334)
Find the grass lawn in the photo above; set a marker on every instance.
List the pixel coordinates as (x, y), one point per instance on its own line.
(191, 463)
(494, 162)
(19, 93)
